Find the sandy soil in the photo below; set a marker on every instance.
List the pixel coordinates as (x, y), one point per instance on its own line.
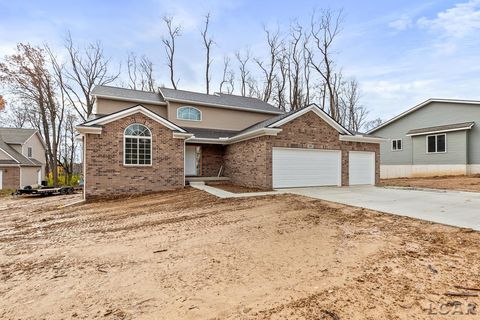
(188, 255)
(235, 188)
(461, 183)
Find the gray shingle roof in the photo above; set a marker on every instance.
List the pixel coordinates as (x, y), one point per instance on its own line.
(16, 135)
(446, 127)
(220, 99)
(211, 133)
(22, 160)
(117, 92)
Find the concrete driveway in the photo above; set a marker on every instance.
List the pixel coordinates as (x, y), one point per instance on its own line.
(461, 209)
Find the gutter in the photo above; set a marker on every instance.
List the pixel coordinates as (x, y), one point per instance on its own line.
(159, 103)
(360, 138)
(438, 131)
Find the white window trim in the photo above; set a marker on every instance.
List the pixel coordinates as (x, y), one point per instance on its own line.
(435, 135)
(391, 145)
(190, 107)
(136, 137)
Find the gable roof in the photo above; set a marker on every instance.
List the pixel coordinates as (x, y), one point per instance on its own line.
(117, 93)
(220, 100)
(16, 157)
(96, 123)
(16, 135)
(421, 105)
(280, 120)
(444, 128)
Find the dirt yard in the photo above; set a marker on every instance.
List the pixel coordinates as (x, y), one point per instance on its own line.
(188, 255)
(460, 183)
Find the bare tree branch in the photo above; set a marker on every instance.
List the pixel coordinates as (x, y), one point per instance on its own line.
(173, 33)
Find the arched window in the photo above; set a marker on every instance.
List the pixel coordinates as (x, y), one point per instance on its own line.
(138, 145)
(189, 113)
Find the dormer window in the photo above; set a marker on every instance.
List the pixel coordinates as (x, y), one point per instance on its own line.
(189, 113)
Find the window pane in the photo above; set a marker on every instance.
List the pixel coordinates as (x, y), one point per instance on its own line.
(394, 145)
(399, 144)
(431, 144)
(441, 143)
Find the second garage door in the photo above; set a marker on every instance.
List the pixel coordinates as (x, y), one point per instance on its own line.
(306, 167)
(361, 168)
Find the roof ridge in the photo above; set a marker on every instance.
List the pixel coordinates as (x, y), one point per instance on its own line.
(123, 88)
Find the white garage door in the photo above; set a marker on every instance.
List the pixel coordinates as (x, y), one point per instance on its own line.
(361, 167)
(306, 167)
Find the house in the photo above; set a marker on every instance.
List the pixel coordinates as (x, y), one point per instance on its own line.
(139, 142)
(22, 158)
(435, 137)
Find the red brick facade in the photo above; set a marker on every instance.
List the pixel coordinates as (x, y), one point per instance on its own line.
(107, 176)
(10, 177)
(246, 163)
(307, 131)
(211, 160)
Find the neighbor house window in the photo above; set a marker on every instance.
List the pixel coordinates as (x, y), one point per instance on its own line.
(397, 145)
(437, 143)
(29, 152)
(189, 113)
(138, 145)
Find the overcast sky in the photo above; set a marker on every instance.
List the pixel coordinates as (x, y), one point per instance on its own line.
(401, 52)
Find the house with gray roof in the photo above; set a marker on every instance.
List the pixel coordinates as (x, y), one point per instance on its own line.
(436, 137)
(139, 142)
(22, 158)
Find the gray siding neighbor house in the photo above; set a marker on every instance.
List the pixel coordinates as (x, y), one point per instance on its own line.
(436, 137)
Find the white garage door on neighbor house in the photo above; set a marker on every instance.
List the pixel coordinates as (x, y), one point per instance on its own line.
(361, 168)
(306, 167)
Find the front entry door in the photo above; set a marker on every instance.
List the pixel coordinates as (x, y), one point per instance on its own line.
(191, 160)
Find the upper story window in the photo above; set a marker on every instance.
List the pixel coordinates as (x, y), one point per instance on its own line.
(138, 145)
(29, 152)
(437, 143)
(397, 145)
(189, 113)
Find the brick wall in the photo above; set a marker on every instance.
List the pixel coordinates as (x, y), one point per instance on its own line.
(211, 160)
(249, 163)
(10, 177)
(106, 176)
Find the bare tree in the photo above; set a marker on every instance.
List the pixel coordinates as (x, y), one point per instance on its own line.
(269, 70)
(174, 31)
(87, 68)
(207, 43)
(244, 72)
(27, 75)
(369, 125)
(294, 66)
(324, 31)
(140, 73)
(279, 96)
(228, 77)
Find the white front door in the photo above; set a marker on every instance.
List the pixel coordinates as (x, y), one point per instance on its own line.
(361, 168)
(190, 160)
(306, 167)
(1, 179)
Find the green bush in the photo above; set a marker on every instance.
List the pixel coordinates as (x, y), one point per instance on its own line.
(62, 180)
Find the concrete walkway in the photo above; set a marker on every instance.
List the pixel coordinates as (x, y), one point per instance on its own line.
(226, 194)
(461, 209)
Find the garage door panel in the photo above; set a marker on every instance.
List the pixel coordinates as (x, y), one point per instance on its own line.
(361, 168)
(305, 167)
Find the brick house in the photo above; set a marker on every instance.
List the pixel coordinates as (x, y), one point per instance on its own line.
(22, 158)
(139, 142)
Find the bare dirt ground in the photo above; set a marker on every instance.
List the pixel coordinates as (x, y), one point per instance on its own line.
(189, 255)
(235, 188)
(461, 183)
